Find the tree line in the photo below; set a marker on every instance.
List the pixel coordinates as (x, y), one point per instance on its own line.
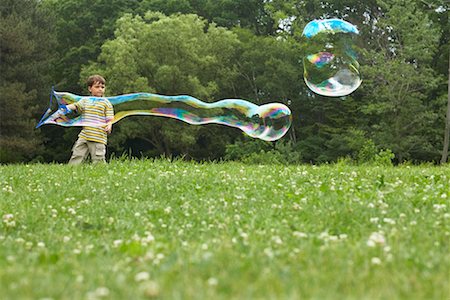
(219, 49)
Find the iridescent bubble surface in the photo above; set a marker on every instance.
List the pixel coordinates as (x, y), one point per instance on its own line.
(268, 122)
(330, 66)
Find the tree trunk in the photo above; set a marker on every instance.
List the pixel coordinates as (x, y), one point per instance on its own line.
(447, 123)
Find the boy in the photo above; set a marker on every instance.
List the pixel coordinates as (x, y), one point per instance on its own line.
(92, 140)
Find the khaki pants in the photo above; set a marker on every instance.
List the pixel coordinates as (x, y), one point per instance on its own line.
(83, 148)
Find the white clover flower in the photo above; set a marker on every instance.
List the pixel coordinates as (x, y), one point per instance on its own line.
(158, 258)
(207, 255)
(343, 236)
(148, 239)
(375, 261)
(382, 204)
(244, 236)
(296, 206)
(150, 289)
(376, 238)
(149, 255)
(439, 207)
(213, 281)
(117, 243)
(102, 291)
(8, 220)
(333, 238)
(8, 189)
(268, 252)
(142, 276)
(277, 240)
(299, 234)
(323, 236)
(374, 220)
(389, 221)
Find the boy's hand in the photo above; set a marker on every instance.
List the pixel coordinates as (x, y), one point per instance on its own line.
(108, 128)
(65, 110)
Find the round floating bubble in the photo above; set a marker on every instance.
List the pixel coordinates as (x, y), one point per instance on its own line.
(330, 66)
(268, 122)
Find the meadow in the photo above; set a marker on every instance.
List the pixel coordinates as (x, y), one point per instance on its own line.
(155, 229)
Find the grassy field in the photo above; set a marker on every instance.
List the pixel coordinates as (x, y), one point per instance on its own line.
(178, 230)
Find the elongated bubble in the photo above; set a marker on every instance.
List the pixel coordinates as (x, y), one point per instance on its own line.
(330, 66)
(268, 122)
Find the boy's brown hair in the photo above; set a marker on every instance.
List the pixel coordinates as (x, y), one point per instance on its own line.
(95, 78)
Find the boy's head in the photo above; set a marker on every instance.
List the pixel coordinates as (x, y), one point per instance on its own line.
(96, 85)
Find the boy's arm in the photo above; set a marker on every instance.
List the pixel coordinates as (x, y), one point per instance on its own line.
(108, 127)
(71, 106)
(109, 117)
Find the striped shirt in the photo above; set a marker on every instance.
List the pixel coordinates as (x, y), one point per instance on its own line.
(95, 110)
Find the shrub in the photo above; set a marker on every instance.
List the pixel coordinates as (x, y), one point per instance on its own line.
(259, 152)
(384, 157)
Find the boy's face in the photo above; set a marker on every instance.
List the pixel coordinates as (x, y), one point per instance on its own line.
(97, 89)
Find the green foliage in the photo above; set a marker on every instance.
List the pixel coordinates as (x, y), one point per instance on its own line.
(241, 149)
(25, 58)
(16, 115)
(250, 14)
(369, 154)
(257, 69)
(384, 158)
(166, 55)
(362, 150)
(217, 49)
(399, 77)
(260, 152)
(81, 35)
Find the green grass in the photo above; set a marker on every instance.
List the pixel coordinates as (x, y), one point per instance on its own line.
(178, 230)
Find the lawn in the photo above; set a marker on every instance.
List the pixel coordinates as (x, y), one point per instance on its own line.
(144, 229)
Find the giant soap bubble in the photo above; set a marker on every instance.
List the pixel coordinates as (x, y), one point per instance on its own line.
(330, 66)
(268, 122)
